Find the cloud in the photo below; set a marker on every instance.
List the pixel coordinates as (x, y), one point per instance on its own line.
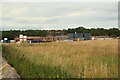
(50, 15)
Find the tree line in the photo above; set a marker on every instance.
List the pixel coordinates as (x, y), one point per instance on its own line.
(112, 32)
(11, 34)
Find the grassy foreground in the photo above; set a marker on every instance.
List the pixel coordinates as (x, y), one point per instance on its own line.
(83, 59)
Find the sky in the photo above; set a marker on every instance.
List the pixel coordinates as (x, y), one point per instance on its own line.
(58, 15)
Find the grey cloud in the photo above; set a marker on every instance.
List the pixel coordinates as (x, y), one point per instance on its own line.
(59, 13)
(6, 18)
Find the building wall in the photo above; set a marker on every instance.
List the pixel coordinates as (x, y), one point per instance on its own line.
(82, 36)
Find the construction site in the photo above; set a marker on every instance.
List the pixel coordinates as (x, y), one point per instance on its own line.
(49, 38)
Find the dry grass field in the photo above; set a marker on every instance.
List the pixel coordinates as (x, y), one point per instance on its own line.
(78, 59)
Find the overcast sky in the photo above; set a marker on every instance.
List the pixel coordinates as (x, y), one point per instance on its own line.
(59, 15)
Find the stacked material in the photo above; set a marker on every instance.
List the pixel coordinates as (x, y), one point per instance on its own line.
(7, 72)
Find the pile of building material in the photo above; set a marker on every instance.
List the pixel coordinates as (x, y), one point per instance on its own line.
(38, 39)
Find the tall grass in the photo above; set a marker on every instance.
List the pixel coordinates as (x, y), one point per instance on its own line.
(84, 59)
